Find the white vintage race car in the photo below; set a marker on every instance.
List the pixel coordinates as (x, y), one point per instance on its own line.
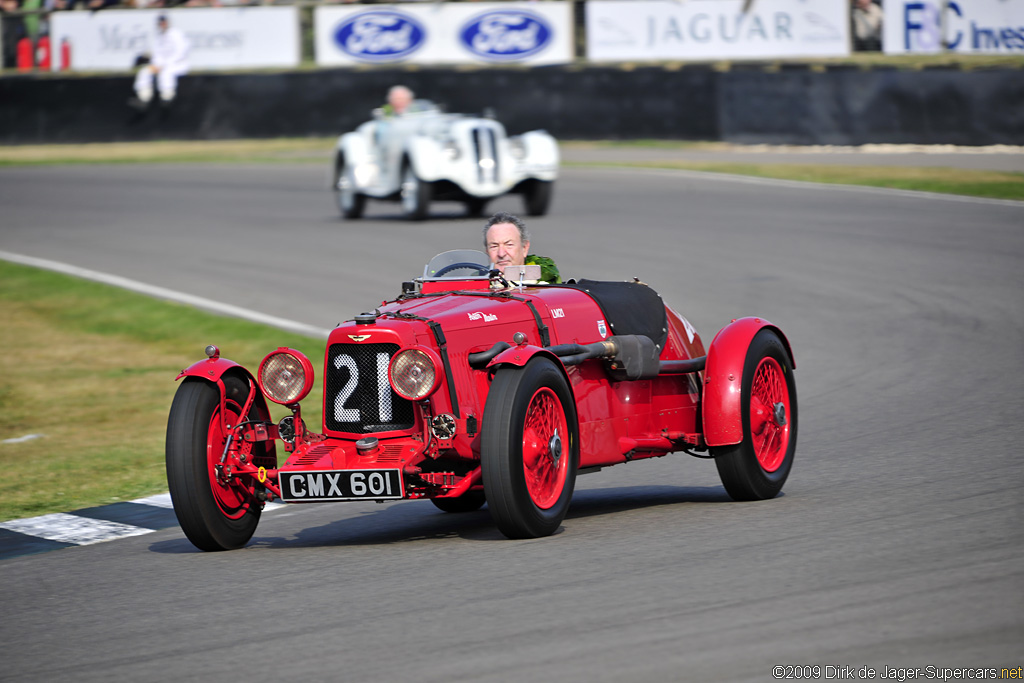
(426, 154)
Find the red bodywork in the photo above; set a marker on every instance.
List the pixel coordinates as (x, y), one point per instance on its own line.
(439, 456)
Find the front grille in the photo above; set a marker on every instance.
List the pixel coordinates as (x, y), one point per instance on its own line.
(486, 151)
(358, 396)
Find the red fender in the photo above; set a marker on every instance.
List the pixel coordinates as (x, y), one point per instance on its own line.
(213, 370)
(521, 355)
(723, 379)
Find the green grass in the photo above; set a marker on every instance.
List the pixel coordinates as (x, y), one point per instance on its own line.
(92, 368)
(317, 150)
(977, 183)
(974, 183)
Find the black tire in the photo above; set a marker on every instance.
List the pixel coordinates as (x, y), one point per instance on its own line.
(415, 194)
(476, 206)
(467, 502)
(351, 204)
(510, 404)
(537, 197)
(757, 467)
(213, 516)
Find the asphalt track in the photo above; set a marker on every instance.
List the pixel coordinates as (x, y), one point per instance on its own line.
(898, 542)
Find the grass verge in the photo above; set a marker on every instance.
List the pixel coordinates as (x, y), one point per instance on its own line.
(973, 183)
(172, 151)
(976, 183)
(91, 368)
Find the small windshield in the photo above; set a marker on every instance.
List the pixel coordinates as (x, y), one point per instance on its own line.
(458, 263)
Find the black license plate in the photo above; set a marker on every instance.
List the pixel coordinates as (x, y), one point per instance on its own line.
(325, 485)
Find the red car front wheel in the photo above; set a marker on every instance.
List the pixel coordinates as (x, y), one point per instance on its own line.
(529, 453)
(215, 512)
(757, 467)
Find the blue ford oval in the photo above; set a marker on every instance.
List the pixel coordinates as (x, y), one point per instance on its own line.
(506, 35)
(380, 35)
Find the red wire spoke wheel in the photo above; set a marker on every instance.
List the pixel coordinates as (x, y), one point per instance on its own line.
(231, 496)
(544, 468)
(529, 451)
(215, 511)
(769, 408)
(757, 467)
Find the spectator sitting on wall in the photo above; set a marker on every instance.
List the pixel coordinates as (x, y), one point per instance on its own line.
(168, 62)
(867, 26)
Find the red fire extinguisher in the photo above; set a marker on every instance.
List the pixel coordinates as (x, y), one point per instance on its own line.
(65, 54)
(24, 57)
(43, 55)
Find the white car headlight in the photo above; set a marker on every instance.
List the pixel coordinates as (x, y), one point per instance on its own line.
(517, 148)
(451, 150)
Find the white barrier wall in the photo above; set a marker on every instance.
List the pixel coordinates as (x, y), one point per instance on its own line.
(658, 30)
(445, 33)
(978, 26)
(220, 37)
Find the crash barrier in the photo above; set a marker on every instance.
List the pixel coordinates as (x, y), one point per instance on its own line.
(751, 105)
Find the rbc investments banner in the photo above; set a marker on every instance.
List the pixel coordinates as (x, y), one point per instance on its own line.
(220, 37)
(981, 26)
(445, 33)
(641, 30)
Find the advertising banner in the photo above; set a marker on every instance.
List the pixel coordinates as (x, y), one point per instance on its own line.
(219, 37)
(659, 30)
(979, 26)
(445, 33)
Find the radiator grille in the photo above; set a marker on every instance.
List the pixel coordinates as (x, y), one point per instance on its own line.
(486, 150)
(359, 398)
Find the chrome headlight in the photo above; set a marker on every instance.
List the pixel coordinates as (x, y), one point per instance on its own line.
(413, 373)
(517, 148)
(451, 150)
(286, 376)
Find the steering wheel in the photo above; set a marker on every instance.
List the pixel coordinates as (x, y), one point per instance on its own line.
(475, 267)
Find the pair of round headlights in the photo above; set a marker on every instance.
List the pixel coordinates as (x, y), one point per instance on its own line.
(286, 375)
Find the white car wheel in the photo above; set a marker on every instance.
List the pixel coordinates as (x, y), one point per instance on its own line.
(350, 203)
(415, 195)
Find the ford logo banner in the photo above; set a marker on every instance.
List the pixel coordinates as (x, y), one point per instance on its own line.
(380, 36)
(506, 35)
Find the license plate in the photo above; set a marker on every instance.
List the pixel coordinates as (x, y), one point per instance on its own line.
(326, 485)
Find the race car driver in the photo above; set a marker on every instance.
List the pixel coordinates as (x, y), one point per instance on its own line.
(507, 242)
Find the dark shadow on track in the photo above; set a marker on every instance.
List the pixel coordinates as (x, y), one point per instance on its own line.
(412, 521)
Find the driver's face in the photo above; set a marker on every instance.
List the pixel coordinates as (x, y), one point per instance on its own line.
(505, 247)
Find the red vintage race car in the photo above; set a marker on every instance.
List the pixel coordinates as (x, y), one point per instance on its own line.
(470, 388)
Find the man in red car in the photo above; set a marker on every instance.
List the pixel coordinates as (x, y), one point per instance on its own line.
(507, 242)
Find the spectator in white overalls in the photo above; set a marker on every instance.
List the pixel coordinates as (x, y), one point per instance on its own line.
(168, 62)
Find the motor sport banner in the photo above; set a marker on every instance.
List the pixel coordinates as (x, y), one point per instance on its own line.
(980, 26)
(659, 30)
(220, 37)
(445, 33)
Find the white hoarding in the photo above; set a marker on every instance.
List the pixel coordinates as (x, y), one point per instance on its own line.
(445, 33)
(982, 26)
(220, 37)
(642, 30)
